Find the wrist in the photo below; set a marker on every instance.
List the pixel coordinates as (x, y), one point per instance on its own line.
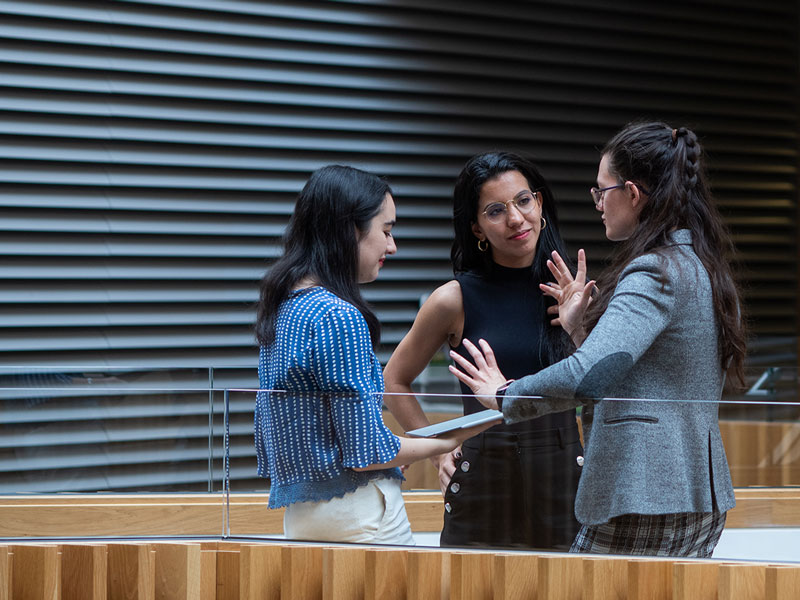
(577, 336)
(500, 394)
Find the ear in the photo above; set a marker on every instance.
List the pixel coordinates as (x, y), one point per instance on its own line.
(637, 198)
(477, 232)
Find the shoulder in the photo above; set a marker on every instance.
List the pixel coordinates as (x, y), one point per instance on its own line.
(326, 311)
(649, 274)
(442, 314)
(668, 271)
(443, 308)
(446, 298)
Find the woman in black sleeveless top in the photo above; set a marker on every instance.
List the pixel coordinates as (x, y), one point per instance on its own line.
(513, 485)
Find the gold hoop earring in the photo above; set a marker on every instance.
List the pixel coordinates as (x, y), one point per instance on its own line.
(544, 224)
(483, 248)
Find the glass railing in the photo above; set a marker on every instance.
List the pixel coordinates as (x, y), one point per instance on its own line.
(123, 430)
(106, 431)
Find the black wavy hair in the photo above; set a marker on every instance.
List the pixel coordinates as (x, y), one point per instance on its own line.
(464, 254)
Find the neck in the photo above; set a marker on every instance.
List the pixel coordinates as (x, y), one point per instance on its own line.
(305, 282)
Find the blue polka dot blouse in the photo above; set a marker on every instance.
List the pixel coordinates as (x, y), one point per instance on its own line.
(328, 420)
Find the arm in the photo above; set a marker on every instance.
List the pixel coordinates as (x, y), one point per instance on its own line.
(413, 449)
(440, 320)
(349, 379)
(639, 311)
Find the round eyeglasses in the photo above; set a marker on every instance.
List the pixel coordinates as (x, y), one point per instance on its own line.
(497, 212)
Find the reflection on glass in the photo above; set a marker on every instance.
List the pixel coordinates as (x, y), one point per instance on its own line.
(85, 429)
(760, 431)
(161, 430)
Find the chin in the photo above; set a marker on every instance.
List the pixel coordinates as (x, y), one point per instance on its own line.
(369, 278)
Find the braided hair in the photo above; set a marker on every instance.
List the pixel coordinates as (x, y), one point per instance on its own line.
(668, 163)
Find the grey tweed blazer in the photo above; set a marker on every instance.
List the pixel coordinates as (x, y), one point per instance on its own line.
(657, 340)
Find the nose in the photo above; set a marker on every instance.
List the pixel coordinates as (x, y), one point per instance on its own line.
(513, 214)
(391, 247)
(599, 205)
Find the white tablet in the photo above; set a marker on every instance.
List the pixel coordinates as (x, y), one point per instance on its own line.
(478, 418)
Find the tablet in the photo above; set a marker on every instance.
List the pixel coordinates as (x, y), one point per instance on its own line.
(478, 418)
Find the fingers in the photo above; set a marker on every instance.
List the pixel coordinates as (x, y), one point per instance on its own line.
(554, 270)
(581, 274)
(447, 467)
(463, 363)
(463, 378)
(586, 297)
(554, 291)
(562, 267)
(488, 354)
(483, 377)
(562, 277)
(475, 353)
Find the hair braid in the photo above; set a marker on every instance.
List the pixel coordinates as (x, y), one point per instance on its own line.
(692, 156)
(669, 163)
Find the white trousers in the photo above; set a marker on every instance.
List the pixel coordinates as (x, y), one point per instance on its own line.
(373, 514)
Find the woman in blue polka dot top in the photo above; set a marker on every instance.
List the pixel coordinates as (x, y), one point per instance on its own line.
(320, 436)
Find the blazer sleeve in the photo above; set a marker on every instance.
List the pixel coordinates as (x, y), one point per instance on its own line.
(350, 379)
(640, 308)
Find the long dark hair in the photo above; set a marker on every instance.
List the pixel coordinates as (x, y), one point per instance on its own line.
(321, 242)
(464, 253)
(668, 163)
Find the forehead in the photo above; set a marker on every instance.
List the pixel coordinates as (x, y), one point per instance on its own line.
(502, 188)
(387, 212)
(604, 172)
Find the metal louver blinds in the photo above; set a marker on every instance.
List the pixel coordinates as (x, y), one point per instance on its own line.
(151, 150)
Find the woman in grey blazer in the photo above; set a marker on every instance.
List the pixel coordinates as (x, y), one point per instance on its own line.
(664, 326)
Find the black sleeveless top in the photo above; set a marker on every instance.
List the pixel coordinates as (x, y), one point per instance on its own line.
(505, 308)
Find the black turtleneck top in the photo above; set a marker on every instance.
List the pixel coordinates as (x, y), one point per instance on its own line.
(507, 309)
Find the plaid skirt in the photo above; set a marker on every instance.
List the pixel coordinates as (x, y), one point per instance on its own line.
(693, 535)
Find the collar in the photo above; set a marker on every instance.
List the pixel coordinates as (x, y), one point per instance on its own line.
(681, 236)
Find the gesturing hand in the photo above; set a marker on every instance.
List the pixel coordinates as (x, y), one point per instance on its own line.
(483, 378)
(573, 294)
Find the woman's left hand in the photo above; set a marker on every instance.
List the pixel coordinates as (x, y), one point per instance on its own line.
(483, 378)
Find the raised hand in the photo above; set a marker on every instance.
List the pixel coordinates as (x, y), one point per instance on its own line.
(484, 377)
(573, 294)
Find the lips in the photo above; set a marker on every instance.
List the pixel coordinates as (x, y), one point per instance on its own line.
(521, 235)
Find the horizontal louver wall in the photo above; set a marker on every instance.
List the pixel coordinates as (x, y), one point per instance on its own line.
(151, 151)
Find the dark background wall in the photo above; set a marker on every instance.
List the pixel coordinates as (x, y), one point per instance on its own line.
(150, 153)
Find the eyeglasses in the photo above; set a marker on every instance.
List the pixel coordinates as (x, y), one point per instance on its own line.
(597, 194)
(497, 212)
